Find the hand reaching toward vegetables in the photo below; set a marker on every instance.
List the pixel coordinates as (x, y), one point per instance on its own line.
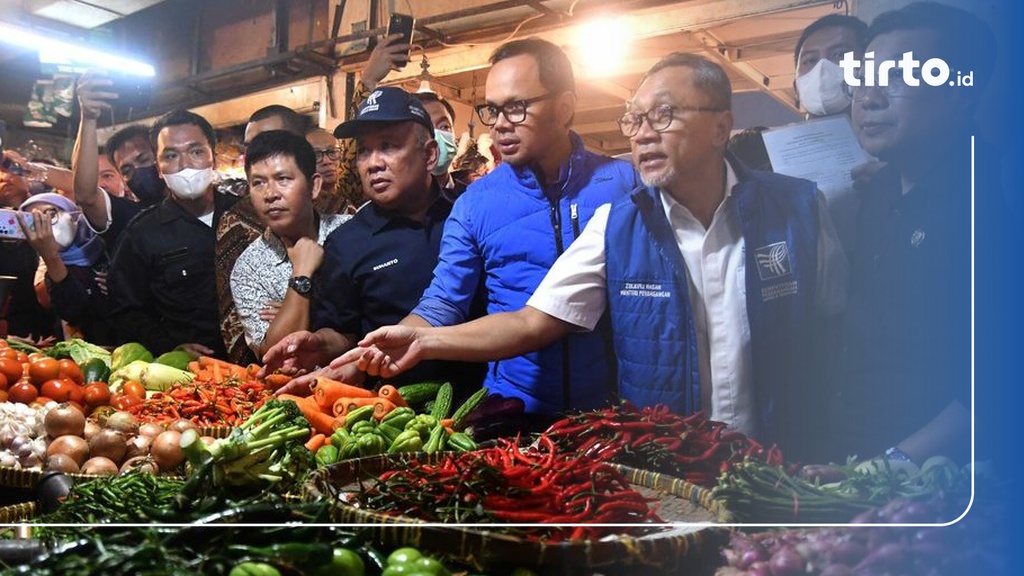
(301, 386)
(295, 352)
(386, 352)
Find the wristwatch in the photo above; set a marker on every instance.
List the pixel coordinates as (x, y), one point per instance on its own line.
(301, 284)
(895, 454)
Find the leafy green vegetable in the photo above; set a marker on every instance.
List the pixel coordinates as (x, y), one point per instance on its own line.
(78, 350)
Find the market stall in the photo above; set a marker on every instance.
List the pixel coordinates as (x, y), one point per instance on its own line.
(411, 482)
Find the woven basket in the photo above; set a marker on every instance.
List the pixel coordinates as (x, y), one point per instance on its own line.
(16, 513)
(674, 548)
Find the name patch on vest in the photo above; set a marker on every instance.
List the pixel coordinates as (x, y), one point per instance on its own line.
(643, 290)
(391, 262)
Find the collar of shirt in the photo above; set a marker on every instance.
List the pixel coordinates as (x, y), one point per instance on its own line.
(169, 210)
(669, 203)
(380, 219)
(528, 177)
(277, 247)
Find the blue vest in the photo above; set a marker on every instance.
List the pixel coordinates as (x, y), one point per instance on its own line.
(649, 303)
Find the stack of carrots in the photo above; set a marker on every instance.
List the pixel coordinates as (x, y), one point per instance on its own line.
(331, 401)
(215, 370)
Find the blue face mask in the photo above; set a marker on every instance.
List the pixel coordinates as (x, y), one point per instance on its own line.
(147, 186)
(446, 151)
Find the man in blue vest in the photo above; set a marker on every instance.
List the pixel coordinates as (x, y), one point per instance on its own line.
(712, 275)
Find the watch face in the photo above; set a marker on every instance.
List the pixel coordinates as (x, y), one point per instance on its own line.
(301, 284)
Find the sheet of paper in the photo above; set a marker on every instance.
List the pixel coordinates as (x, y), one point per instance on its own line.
(822, 151)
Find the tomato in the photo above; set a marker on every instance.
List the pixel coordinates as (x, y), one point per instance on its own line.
(22, 357)
(23, 392)
(3, 344)
(97, 394)
(68, 369)
(43, 369)
(36, 356)
(9, 353)
(124, 401)
(3, 381)
(77, 391)
(3, 395)
(11, 368)
(134, 388)
(56, 389)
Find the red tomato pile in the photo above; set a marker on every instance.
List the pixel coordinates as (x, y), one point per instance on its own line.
(37, 379)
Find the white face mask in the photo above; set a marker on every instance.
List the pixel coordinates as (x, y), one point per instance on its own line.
(64, 229)
(821, 90)
(189, 183)
(446, 151)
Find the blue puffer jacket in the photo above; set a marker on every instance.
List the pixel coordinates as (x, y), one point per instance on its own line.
(502, 237)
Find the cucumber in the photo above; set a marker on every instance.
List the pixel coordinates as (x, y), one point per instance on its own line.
(468, 406)
(443, 403)
(418, 394)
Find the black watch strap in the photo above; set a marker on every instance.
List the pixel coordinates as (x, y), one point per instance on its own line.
(301, 284)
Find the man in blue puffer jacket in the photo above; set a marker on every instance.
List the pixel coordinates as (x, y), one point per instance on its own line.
(507, 230)
(713, 276)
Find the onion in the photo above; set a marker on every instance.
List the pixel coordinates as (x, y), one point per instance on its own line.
(18, 442)
(166, 450)
(122, 422)
(99, 466)
(150, 429)
(759, 569)
(60, 463)
(108, 444)
(73, 446)
(138, 446)
(182, 424)
(91, 429)
(63, 420)
(786, 562)
(143, 463)
(8, 460)
(30, 461)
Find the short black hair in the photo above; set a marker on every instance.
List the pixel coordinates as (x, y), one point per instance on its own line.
(858, 26)
(425, 97)
(708, 77)
(122, 136)
(293, 121)
(552, 63)
(179, 118)
(282, 143)
(965, 42)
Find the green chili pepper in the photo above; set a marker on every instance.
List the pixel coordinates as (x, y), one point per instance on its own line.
(371, 445)
(326, 455)
(361, 414)
(461, 442)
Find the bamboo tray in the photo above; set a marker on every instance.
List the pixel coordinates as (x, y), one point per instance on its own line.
(673, 548)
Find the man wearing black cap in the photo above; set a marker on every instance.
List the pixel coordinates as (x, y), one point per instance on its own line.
(376, 266)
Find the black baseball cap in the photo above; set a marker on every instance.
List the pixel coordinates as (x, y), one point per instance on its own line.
(384, 106)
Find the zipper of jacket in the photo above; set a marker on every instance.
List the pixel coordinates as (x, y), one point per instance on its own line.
(574, 216)
(556, 223)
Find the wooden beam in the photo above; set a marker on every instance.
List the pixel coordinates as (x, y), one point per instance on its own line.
(714, 49)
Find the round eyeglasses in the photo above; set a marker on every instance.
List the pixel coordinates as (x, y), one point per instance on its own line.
(659, 118)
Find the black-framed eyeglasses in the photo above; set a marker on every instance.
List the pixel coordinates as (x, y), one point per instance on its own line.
(515, 112)
(659, 118)
(332, 153)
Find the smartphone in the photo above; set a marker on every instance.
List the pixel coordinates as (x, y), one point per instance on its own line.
(133, 92)
(9, 228)
(401, 24)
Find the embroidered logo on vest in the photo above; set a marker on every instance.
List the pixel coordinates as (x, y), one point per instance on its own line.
(773, 262)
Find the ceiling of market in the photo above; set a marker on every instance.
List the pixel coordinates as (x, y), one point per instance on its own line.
(611, 42)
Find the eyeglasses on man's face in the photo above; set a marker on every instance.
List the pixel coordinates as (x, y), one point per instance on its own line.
(659, 118)
(332, 153)
(515, 112)
(895, 87)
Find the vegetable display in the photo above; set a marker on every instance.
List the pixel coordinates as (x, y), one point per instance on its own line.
(203, 401)
(693, 448)
(510, 484)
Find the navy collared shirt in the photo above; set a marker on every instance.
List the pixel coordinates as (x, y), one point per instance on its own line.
(374, 271)
(162, 278)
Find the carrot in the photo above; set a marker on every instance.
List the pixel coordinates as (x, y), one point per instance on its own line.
(447, 422)
(381, 407)
(193, 367)
(275, 381)
(338, 422)
(315, 442)
(217, 376)
(389, 392)
(223, 367)
(252, 370)
(320, 422)
(327, 392)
